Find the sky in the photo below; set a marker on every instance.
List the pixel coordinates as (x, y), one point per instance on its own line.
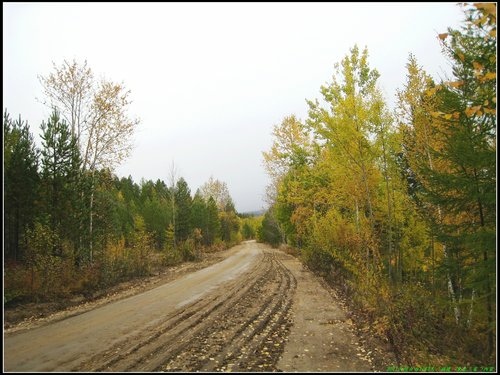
(209, 81)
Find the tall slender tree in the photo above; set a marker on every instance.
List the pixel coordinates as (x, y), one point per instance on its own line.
(199, 215)
(213, 223)
(60, 170)
(346, 127)
(183, 202)
(463, 181)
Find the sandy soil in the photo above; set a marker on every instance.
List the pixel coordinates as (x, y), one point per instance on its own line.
(253, 309)
(324, 337)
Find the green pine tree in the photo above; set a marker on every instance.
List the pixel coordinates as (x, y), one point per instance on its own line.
(183, 203)
(60, 171)
(21, 182)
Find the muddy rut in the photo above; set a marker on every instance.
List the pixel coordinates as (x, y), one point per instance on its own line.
(229, 330)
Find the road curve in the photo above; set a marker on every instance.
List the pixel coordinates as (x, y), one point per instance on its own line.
(71, 344)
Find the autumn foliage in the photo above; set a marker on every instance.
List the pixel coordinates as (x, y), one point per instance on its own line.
(397, 208)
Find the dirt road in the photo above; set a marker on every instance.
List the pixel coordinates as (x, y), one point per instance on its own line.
(257, 310)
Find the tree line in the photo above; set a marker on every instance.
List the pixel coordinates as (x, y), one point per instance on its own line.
(398, 208)
(71, 225)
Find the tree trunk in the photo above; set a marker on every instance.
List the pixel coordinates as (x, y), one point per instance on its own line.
(91, 216)
(489, 307)
(488, 301)
(389, 205)
(16, 233)
(451, 290)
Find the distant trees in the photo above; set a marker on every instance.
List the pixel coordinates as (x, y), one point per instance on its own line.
(205, 218)
(227, 226)
(268, 231)
(218, 191)
(250, 226)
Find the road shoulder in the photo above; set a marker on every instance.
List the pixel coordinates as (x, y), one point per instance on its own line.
(322, 337)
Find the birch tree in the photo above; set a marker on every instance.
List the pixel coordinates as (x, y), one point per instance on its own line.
(218, 190)
(97, 112)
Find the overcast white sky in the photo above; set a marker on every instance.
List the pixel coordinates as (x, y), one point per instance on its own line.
(209, 80)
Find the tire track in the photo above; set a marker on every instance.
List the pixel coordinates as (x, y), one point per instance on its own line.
(266, 325)
(241, 326)
(261, 353)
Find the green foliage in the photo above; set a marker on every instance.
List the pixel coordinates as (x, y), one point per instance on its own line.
(269, 231)
(183, 203)
(247, 231)
(461, 182)
(199, 213)
(250, 226)
(213, 223)
(21, 185)
(141, 248)
(50, 275)
(60, 178)
(157, 215)
(229, 223)
(48, 217)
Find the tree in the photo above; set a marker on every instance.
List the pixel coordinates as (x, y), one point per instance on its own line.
(229, 222)
(346, 128)
(70, 89)
(247, 231)
(291, 146)
(419, 132)
(127, 206)
(97, 112)
(199, 214)
(183, 202)
(60, 169)
(462, 181)
(213, 223)
(268, 231)
(216, 189)
(141, 247)
(290, 153)
(156, 216)
(21, 181)
(172, 177)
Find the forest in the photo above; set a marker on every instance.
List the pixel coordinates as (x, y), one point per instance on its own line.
(71, 226)
(395, 208)
(398, 209)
